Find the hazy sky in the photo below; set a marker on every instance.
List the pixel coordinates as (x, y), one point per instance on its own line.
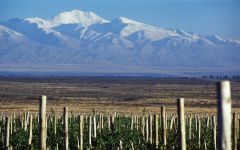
(219, 17)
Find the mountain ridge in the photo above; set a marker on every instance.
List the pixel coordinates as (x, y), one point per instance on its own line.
(78, 37)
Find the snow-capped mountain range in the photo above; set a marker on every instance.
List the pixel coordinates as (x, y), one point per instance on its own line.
(78, 37)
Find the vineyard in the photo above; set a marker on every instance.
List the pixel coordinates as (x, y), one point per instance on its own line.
(163, 130)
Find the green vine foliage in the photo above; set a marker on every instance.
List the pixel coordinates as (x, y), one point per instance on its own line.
(107, 139)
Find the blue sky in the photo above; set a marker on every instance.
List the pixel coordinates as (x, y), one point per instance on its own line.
(218, 17)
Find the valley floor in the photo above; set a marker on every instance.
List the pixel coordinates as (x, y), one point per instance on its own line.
(111, 94)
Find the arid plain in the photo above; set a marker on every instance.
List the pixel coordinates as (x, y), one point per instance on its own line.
(111, 94)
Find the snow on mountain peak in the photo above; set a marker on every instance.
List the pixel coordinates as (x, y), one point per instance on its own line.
(4, 29)
(218, 38)
(78, 37)
(127, 21)
(40, 22)
(127, 27)
(77, 17)
(182, 33)
(9, 34)
(238, 41)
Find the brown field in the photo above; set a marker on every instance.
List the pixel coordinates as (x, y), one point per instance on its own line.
(110, 94)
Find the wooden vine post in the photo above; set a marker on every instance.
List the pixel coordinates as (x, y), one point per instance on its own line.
(65, 128)
(81, 132)
(26, 120)
(156, 130)
(164, 130)
(214, 133)
(11, 125)
(147, 129)
(137, 123)
(181, 124)
(42, 120)
(90, 131)
(224, 115)
(30, 131)
(94, 126)
(234, 131)
(143, 126)
(171, 123)
(102, 121)
(150, 128)
(199, 132)
(7, 132)
(190, 127)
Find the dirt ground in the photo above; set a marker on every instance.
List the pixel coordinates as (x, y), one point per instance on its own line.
(111, 94)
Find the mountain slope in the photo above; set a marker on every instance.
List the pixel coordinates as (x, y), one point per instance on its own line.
(10, 39)
(45, 36)
(81, 38)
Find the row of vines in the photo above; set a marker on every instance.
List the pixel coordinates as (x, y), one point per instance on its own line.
(117, 131)
(163, 130)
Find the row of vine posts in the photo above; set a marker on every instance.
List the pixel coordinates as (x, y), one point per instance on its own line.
(221, 139)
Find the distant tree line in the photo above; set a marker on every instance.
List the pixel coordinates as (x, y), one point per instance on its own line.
(221, 76)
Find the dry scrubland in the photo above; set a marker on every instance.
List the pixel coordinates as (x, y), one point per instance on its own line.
(110, 94)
